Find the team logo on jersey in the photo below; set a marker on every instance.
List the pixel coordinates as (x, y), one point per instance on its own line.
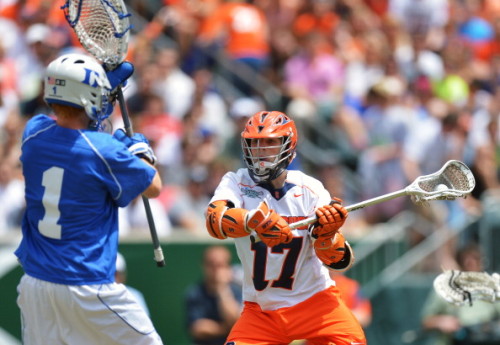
(251, 193)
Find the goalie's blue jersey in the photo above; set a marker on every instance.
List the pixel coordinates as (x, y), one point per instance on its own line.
(75, 182)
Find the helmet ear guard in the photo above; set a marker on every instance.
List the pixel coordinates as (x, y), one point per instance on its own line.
(266, 125)
(80, 81)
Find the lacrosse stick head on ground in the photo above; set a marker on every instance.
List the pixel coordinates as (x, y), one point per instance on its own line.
(461, 288)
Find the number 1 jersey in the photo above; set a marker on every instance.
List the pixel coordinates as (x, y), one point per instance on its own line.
(75, 180)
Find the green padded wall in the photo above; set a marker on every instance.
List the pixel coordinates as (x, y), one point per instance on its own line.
(396, 310)
(163, 287)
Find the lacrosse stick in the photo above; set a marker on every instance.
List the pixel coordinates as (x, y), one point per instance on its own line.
(102, 27)
(453, 180)
(458, 287)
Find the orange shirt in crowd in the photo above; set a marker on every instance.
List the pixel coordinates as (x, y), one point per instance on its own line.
(308, 22)
(244, 26)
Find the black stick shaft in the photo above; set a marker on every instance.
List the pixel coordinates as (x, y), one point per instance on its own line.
(158, 252)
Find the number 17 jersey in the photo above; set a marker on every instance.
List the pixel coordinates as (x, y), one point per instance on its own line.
(287, 274)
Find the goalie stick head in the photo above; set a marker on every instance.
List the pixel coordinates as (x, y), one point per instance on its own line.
(265, 125)
(102, 26)
(80, 81)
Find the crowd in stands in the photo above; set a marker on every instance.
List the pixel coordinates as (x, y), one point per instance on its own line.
(401, 85)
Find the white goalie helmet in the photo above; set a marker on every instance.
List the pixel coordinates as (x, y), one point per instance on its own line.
(80, 81)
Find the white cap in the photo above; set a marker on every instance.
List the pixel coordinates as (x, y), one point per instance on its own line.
(121, 265)
(245, 107)
(37, 33)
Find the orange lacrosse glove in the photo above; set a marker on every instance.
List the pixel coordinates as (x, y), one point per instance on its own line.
(270, 226)
(334, 252)
(330, 219)
(223, 220)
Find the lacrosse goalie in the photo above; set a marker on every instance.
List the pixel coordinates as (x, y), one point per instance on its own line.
(287, 291)
(76, 178)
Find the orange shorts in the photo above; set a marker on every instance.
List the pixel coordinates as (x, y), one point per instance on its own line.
(322, 319)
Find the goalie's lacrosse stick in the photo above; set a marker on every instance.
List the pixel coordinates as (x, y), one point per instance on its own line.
(458, 287)
(103, 26)
(453, 180)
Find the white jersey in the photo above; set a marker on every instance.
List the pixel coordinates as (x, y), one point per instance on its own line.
(287, 274)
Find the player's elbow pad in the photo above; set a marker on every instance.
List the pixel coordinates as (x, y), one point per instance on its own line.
(224, 221)
(346, 262)
(335, 252)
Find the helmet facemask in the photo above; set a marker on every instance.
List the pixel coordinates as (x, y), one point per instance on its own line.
(98, 114)
(268, 141)
(265, 166)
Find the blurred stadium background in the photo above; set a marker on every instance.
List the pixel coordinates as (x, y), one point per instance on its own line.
(397, 257)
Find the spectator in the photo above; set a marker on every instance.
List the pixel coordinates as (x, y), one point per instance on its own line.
(165, 133)
(380, 165)
(240, 111)
(208, 107)
(428, 16)
(214, 304)
(319, 15)
(242, 30)
(137, 98)
(314, 75)
(175, 86)
(186, 205)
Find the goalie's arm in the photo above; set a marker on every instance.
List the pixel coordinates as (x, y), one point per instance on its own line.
(154, 188)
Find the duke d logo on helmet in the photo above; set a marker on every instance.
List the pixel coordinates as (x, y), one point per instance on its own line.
(91, 77)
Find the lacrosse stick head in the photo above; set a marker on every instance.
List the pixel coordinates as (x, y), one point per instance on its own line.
(453, 180)
(459, 287)
(102, 26)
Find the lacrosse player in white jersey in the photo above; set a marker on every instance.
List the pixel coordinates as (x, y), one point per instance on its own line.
(76, 178)
(287, 291)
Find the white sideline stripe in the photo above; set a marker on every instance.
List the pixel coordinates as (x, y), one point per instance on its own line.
(7, 339)
(8, 260)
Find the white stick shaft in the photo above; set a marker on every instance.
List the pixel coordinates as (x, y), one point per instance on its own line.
(377, 200)
(354, 207)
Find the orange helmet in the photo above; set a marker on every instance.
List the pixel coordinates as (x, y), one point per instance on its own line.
(267, 161)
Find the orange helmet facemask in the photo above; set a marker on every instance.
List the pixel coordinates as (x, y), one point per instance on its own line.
(264, 125)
